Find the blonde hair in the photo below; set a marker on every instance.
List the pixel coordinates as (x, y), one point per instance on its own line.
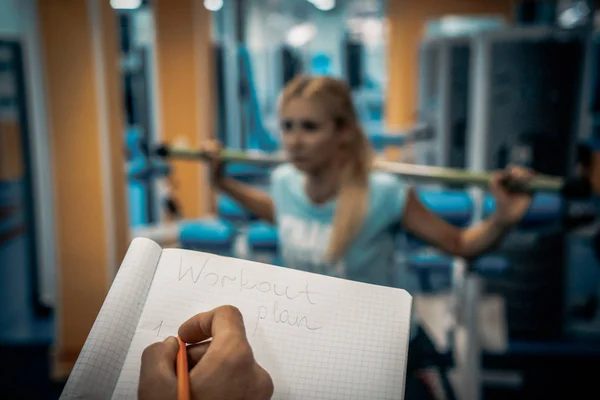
(356, 159)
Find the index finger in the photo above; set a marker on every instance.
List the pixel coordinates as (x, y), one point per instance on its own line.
(221, 322)
(158, 360)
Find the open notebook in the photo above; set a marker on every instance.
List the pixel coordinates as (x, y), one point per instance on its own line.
(318, 337)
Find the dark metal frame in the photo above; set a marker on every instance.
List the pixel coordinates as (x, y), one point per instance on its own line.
(136, 84)
(21, 99)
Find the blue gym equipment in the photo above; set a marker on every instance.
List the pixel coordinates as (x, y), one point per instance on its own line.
(545, 209)
(263, 243)
(434, 270)
(211, 235)
(142, 171)
(258, 137)
(453, 206)
(231, 211)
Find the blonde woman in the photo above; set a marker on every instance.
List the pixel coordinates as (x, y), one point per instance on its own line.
(336, 216)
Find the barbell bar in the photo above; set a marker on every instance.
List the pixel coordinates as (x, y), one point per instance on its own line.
(420, 173)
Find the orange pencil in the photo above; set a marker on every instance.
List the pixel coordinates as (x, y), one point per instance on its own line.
(183, 377)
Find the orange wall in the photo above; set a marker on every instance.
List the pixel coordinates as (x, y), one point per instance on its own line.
(184, 62)
(81, 227)
(11, 153)
(407, 20)
(82, 212)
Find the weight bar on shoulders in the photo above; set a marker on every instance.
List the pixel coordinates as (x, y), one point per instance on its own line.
(420, 173)
(579, 209)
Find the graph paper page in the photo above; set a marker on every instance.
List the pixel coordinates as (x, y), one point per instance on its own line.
(97, 369)
(318, 337)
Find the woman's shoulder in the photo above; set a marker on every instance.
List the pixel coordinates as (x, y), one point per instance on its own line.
(284, 172)
(388, 195)
(385, 180)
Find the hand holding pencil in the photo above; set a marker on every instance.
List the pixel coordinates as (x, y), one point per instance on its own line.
(222, 368)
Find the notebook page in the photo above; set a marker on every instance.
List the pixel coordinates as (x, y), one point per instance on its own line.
(318, 337)
(97, 369)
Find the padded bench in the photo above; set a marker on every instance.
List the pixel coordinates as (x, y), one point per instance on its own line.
(453, 206)
(248, 173)
(263, 243)
(208, 235)
(231, 211)
(434, 271)
(545, 209)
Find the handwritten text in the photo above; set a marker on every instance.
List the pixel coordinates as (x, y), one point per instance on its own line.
(283, 316)
(212, 278)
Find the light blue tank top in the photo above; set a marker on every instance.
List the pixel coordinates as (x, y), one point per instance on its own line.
(304, 228)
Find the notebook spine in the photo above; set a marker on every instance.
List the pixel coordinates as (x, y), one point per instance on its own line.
(98, 366)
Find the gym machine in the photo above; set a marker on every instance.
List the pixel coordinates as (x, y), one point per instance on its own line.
(525, 99)
(526, 96)
(443, 100)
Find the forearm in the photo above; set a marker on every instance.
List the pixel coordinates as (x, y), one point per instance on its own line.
(257, 201)
(481, 237)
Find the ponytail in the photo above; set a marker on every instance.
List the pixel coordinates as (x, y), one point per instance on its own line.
(353, 198)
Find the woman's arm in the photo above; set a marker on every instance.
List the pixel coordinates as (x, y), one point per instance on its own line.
(257, 201)
(475, 240)
(469, 243)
